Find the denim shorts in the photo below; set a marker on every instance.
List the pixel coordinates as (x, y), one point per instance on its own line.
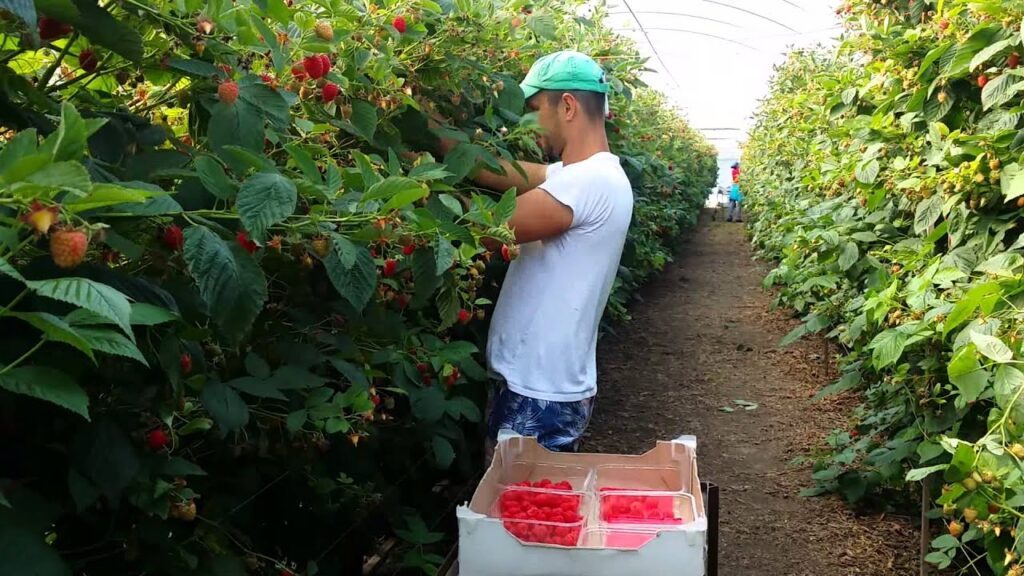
(558, 426)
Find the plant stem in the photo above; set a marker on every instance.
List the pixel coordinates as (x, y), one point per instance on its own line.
(48, 74)
(24, 356)
(14, 302)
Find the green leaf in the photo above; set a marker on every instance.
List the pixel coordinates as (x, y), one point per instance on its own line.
(256, 366)
(194, 67)
(47, 384)
(444, 454)
(867, 172)
(24, 552)
(296, 420)
(918, 474)
(928, 211)
(56, 329)
(351, 270)
(887, 347)
(1003, 265)
(428, 404)
(404, 198)
(103, 340)
(96, 24)
(230, 281)
(214, 179)
(364, 119)
(93, 296)
(264, 200)
(1012, 182)
(966, 373)
(506, 207)
(967, 305)
(240, 125)
(225, 406)
(8, 270)
(992, 347)
(175, 466)
(445, 255)
(64, 175)
(68, 142)
(463, 407)
(258, 387)
(1000, 90)
(391, 186)
(849, 256)
(1007, 384)
(352, 373)
(962, 464)
(143, 314)
(462, 160)
(103, 195)
(511, 98)
(848, 381)
(305, 162)
(989, 51)
(448, 305)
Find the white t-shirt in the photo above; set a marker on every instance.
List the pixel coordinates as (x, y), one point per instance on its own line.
(543, 335)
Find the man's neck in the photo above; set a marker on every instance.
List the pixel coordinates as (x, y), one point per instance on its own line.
(591, 142)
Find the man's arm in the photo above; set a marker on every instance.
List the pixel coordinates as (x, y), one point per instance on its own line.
(539, 216)
(536, 174)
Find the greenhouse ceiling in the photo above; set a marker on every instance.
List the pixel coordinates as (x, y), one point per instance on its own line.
(714, 58)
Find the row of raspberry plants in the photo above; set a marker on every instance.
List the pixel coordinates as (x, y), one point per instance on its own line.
(241, 323)
(887, 181)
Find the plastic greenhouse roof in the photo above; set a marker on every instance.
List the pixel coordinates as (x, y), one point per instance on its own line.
(714, 58)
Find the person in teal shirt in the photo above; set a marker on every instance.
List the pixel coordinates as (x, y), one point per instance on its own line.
(735, 199)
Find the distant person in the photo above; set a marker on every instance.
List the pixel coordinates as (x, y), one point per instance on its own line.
(735, 201)
(735, 196)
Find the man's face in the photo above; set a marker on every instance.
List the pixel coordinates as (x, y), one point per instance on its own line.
(551, 120)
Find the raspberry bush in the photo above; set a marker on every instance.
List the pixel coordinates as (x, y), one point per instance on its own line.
(886, 182)
(241, 323)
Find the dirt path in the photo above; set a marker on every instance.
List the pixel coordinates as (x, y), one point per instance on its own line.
(703, 337)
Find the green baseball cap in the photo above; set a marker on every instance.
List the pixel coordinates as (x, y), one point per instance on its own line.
(565, 70)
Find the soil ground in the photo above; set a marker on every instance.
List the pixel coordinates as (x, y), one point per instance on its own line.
(703, 337)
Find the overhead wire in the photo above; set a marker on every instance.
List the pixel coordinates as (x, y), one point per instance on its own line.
(651, 44)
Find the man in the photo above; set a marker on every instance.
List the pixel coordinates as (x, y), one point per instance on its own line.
(571, 220)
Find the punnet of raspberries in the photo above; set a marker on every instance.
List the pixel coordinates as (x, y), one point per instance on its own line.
(544, 512)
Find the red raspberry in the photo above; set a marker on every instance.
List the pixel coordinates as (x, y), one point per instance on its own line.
(68, 247)
(243, 240)
(186, 363)
(982, 81)
(266, 78)
(157, 439)
(329, 92)
(408, 250)
(1013, 61)
(389, 267)
(173, 237)
(465, 316)
(227, 92)
(50, 29)
(314, 66)
(298, 72)
(87, 60)
(326, 60)
(399, 24)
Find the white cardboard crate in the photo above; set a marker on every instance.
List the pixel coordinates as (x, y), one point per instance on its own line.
(487, 549)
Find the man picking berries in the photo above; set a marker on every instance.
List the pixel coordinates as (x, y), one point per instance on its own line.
(571, 220)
